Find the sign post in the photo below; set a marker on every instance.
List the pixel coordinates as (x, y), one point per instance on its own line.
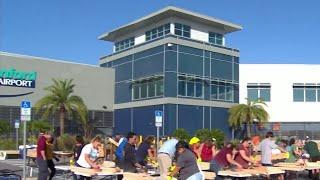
(158, 123)
(16, 126)
(25, 116)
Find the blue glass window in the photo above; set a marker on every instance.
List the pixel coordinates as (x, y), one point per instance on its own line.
(182, 30)
(124, 44)
(158, 32)
(216, 38)
(148, 88)
(298, 94)
(190, 86)
(259, 91)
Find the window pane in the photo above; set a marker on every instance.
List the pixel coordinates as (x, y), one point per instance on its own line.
(177, 26)
(198, 89)
(252, 94)
(182, 88)
(144, 88)
(318, 93)
(229, 93)
(178, 32)
(151, 89)
(135, 92)
(222, 92)
(214, 91)
(186, 34)
(298, 94)
(190, 89)
(310, 94)
(265, 94)
(159, 87)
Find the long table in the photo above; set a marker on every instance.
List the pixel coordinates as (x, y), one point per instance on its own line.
(256, 171)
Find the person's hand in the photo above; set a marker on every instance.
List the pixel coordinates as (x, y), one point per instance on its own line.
(95, 166)
(239, 166)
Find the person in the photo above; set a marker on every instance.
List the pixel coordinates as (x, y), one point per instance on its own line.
(41, 156)
(119, 152)
(130, 163)
(145, 150)
(224, 158)
(207, 150)
(293, 151)
(266, 146)
(194, 144)
(77, 150)
(166, 153)
(311, 148)
(186, 164)
(244, 153)
(50, 156)
(89, 154)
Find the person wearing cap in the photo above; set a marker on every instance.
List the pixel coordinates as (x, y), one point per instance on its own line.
(208, 150)
(166, 153)
(194, 144)
(186, 164)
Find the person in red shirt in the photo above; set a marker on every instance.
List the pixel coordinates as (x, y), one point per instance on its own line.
(244, 153)
(208, 150)
(41, 156)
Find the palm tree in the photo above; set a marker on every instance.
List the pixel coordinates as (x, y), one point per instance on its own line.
(247, 114)
(61, 99)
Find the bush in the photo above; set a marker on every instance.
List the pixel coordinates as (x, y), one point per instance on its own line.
(7, 144)
(65, 142)
(203, 134)
(181, 134)
(4, 127)
(36, 125)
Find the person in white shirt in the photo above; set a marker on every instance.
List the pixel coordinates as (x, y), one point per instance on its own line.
(89, 154)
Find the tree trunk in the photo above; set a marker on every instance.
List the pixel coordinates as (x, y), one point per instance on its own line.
(248, 129)
(62, 113)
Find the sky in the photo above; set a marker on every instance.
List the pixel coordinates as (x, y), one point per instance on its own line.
(286, 31)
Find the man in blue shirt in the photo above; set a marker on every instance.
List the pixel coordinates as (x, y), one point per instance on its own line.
(165, 155)
(119, 152)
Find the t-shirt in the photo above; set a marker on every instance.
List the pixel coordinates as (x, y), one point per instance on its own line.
(266, 147)
(169, 147)
(129, 158)
(188, 164)
(120, 149)
(41, 146)
(142, 151)
(93, 155)
(206, 153)
(312, 148)
(244, 163)
(49, 151)
(221, 157)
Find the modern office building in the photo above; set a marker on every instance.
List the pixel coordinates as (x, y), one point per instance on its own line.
(292, 95)
(175, 61)
(25, 77)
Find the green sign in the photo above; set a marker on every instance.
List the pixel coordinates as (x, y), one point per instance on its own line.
(13, 77)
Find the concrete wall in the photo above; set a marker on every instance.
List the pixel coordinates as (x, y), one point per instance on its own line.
(281, 77)
(94, 84)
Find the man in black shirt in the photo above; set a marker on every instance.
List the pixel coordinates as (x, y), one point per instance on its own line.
(130, 163)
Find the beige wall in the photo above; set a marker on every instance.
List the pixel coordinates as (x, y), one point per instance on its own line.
(94, 84)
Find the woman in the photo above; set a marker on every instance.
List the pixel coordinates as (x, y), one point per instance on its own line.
(145, 150)
(89, 154)
(293, 151)
(50, 156)
(186, 164)
(224, 158)
(130, 163)
(244, 153)
(194, 144)
(208, 150)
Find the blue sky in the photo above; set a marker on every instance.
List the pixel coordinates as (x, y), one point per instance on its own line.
(274, 31)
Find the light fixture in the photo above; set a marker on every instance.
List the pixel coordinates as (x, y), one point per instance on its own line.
(169, 44)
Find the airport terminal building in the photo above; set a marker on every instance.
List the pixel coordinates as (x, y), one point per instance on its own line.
(25, 77)
(175, 61)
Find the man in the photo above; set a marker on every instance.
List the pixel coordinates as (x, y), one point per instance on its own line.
(266, 146)
(41, 156)
(311, 148)
(130, 163)
(165, 155)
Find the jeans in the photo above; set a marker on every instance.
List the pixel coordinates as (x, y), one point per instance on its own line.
(197, 176)
(43, 169)
(215, 167)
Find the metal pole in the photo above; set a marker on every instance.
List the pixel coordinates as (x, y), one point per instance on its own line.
(157, 138)
(17, 138)
(24, 148)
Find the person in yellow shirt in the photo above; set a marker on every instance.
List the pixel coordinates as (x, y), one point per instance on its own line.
(50, 156)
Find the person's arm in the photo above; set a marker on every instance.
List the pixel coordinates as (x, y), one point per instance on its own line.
(231, 161)
(89, 161)
(214, 151)
(245, 157)
(175, 171)
(130, 156)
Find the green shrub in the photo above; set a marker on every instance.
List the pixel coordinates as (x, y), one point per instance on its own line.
(203, 134)
(7, 144)
(181, 134)
(4, 127)
(36, 125)
(219, 136)
(65, 142)
(32, 139)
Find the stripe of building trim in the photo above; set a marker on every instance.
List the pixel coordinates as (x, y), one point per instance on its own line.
(169, 100)
(167, 40)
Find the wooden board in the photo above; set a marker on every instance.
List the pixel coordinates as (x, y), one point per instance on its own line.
(139, 176)
(209, 175)
(204, 166)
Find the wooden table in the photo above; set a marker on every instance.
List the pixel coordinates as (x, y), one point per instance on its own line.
(256, 171)
(63, 155)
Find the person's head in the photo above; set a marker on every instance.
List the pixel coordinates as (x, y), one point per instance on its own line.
(209, 142)
(246, 142)
(194, 143)
(292, 141)
(132, 138)
(49, 138)
(96, 142)
(149, 139)
(181, 146)
(269, 135)
(307, 138)
(79, 139)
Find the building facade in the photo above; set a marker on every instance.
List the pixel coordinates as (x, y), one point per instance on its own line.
(292, 95)
(175, 61)
(25, 77)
